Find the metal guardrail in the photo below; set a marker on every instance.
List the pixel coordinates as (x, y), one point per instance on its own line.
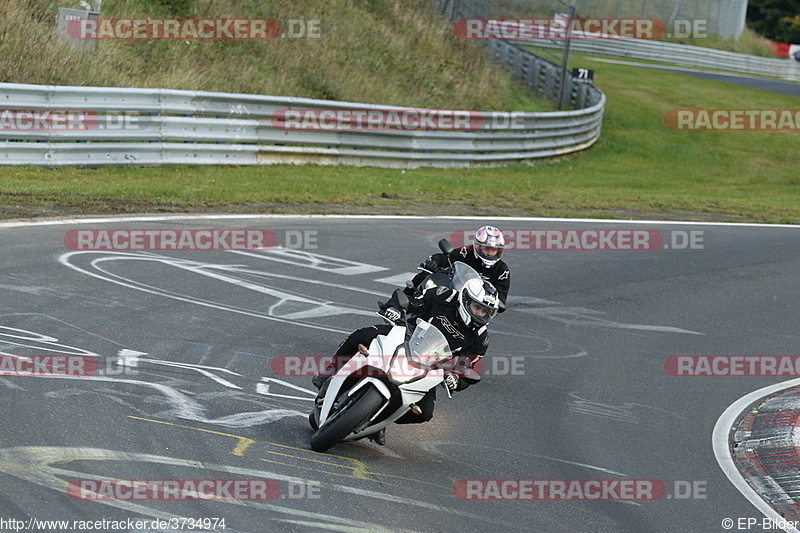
(683, 55)
(666, 52)
(162, 126)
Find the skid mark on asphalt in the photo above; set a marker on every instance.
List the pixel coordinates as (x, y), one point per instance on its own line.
(622, 413)
(242, 442)
(304, 459)
(264, 388)
(36, 464)
(304, 259)
(21, 338)
(230, 274)
(433, 447)
(182, 406)
(581, 316)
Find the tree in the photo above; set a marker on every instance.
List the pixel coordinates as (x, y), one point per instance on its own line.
(778, 20)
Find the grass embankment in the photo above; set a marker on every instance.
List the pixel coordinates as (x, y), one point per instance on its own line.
(376, 51)
(748, 43)
(638, 169)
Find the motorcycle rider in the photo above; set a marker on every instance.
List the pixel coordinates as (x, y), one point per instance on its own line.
(484, 255)
(461, 316)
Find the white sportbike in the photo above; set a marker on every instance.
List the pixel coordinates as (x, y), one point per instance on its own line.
(384, 381)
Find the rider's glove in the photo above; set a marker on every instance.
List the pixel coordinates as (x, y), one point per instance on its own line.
(451, 382)
(430, 265)
(390, 314)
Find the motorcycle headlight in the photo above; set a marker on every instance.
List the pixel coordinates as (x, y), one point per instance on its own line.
(429, 360)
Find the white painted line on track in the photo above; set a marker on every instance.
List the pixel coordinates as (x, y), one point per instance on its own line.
(399, 280)
(266, 216)
(720, 439)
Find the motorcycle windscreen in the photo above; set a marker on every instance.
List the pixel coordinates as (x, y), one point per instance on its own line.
(462, 273)
(427, 345)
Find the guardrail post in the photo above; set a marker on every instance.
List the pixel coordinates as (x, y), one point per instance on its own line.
(565, 58)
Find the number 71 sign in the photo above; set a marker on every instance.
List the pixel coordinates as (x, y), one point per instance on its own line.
(583, 74)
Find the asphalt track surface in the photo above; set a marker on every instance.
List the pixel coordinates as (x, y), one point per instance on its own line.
(787, 88)
(197, 398)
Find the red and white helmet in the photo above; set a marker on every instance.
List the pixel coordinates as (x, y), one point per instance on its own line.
(488, 245)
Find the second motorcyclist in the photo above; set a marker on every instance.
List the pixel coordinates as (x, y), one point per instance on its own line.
(483, 255)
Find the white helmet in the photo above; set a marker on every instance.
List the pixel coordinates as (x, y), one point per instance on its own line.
(477, 303)
(488, 245)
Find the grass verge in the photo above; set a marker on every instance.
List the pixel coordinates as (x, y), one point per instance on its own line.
(638, 169)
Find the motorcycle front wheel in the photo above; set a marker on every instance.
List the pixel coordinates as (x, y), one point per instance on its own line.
(345, 421)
